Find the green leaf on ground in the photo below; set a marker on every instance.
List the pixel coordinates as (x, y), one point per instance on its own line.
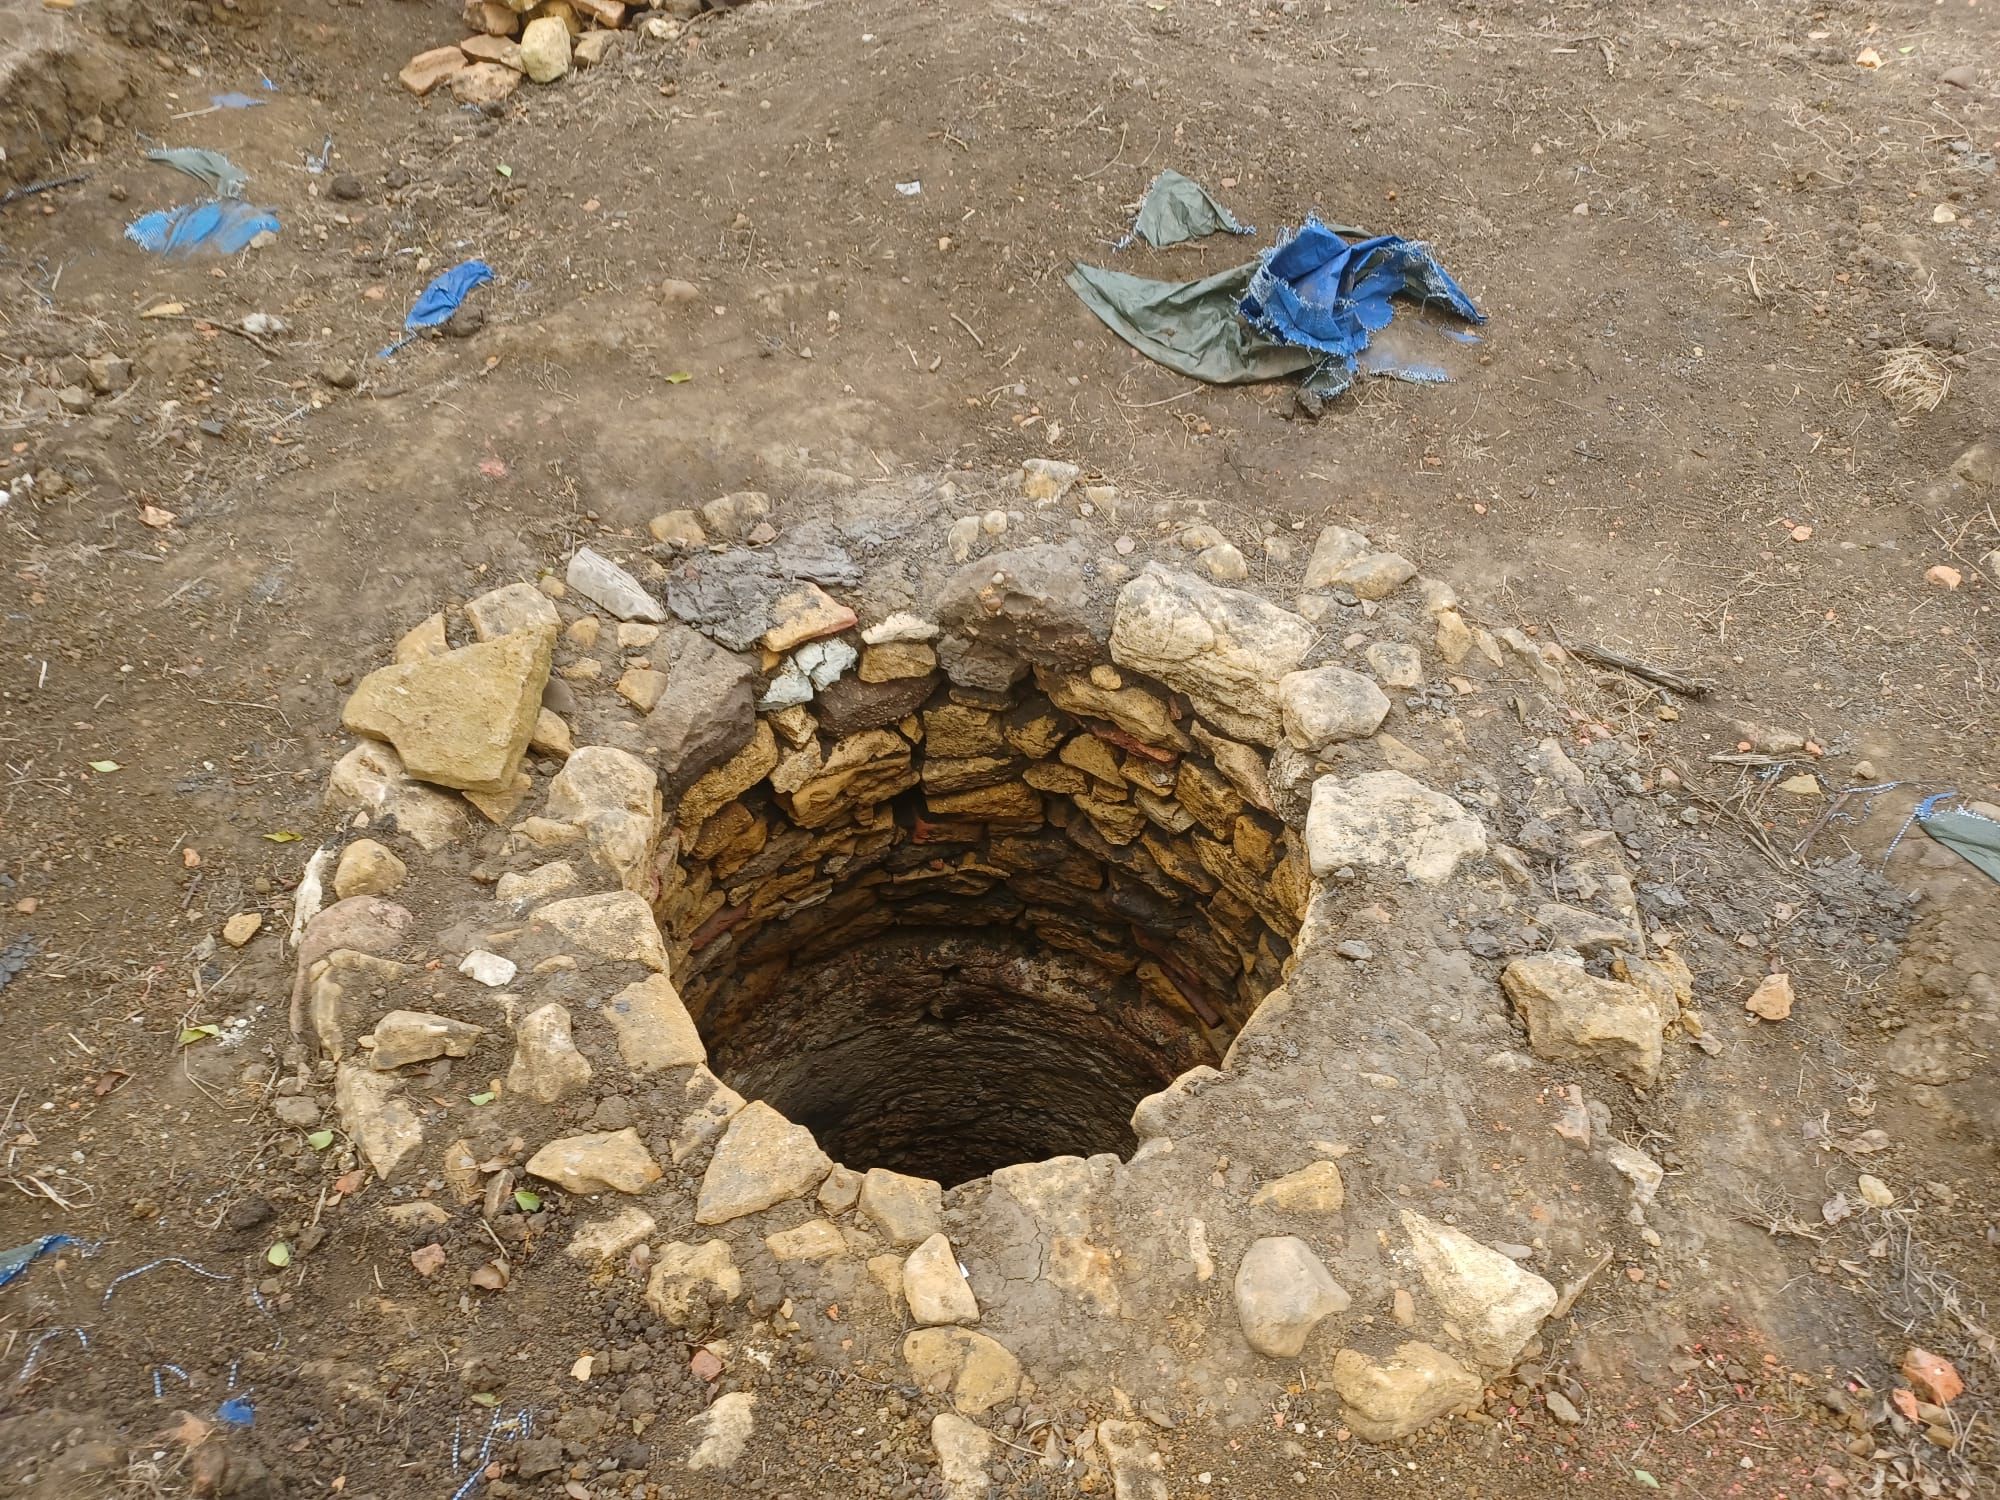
(526, 1201)
(279, 1255)
(319, 1140)
(105, 766)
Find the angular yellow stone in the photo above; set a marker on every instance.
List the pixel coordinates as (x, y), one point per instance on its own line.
(462, 719)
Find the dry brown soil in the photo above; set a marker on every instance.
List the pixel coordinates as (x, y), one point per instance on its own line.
(1695, 228)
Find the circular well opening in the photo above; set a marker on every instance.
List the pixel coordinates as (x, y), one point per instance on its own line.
(981, 932)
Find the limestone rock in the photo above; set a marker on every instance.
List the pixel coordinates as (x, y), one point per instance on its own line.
(459, 720)
(1047, 478)
(425, 638)
(370, 778)
(242, 927)
(614, 797)
(1572, 1014)
(894, 660)
(935, 1288)
(403, 1037)
(607, 1161)
(733, 778)
(678, 528)
(900, 627)
(1336, 548)
(1398, 665)
(517, 606)
(805, 614)
(427, 70)
(1391, 1398)
(979, 1373)
(487, 82)
(732, 516)
(1316, 1189)
(609, 1238)
(543, 883)
(963, 1449)
(684, 1278)
(762, 1159)
(709, 1106)
(1327, 705)
(1227, 650)
(1224, 562)
(707, 713)
(375, 1117)
(367, 868)
(908, 1210)
(1141, 714)
(722, 1432)
(1495, 1304)
(1282, 1292)
(1385, 821)
(1376, 576)
(545, 52)
(1637, 1168)
(1028, 604)
(654, 1028)
(593, 47)
(336, 991)
(813, 1240)
(546, 1067)
(1158, 1114)
(841, 1190)
(618, 927)
(603, 582)
(1136, 1466)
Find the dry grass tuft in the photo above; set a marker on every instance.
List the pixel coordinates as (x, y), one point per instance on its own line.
(1913, 378)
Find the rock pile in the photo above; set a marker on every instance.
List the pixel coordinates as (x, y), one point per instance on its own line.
(1038, 965)
(541, 40)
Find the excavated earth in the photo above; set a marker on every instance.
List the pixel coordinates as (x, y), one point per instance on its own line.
(772, 867)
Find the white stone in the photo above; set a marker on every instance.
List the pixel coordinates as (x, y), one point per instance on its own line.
(900, 627)
(962, 1451)
(1383, 820)
(1337, 546)
(618, 927)
(1637, 1168)
(723, 1431)
(609, 586)
(1283, 1291)
(978, 1372)
(1496, 1305)
(545, 50)
(1047, 478)
(1137, 1470)
(367, 868)
(370, 778)
(1224, 648)
(609, 1238)
(1327, 705)
(935, 1288)
(489, 969)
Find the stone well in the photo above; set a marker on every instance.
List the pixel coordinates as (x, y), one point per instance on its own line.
(1052, 971)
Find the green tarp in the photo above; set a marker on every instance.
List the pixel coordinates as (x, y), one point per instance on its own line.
(1967, 834)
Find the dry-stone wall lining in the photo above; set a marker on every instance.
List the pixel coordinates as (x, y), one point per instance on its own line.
(1057, 966)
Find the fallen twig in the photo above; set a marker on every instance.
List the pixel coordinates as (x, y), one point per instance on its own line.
(1687, 687)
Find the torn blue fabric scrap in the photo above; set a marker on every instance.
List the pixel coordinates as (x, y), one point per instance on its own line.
(446, 293)
(220, 227)
(1318, 291)
(15, 1262)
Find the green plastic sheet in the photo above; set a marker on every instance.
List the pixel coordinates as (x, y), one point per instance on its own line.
(1176, 209)
(1968, 835)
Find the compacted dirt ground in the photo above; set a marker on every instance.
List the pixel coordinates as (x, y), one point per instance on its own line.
(1701, 233)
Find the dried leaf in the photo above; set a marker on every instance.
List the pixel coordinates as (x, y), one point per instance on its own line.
(283, 836)
(491, 1277)
(428, 1260)
(679, 377)
(153, 516)
(192, 1034)
(105, 767)
(484, 1398)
